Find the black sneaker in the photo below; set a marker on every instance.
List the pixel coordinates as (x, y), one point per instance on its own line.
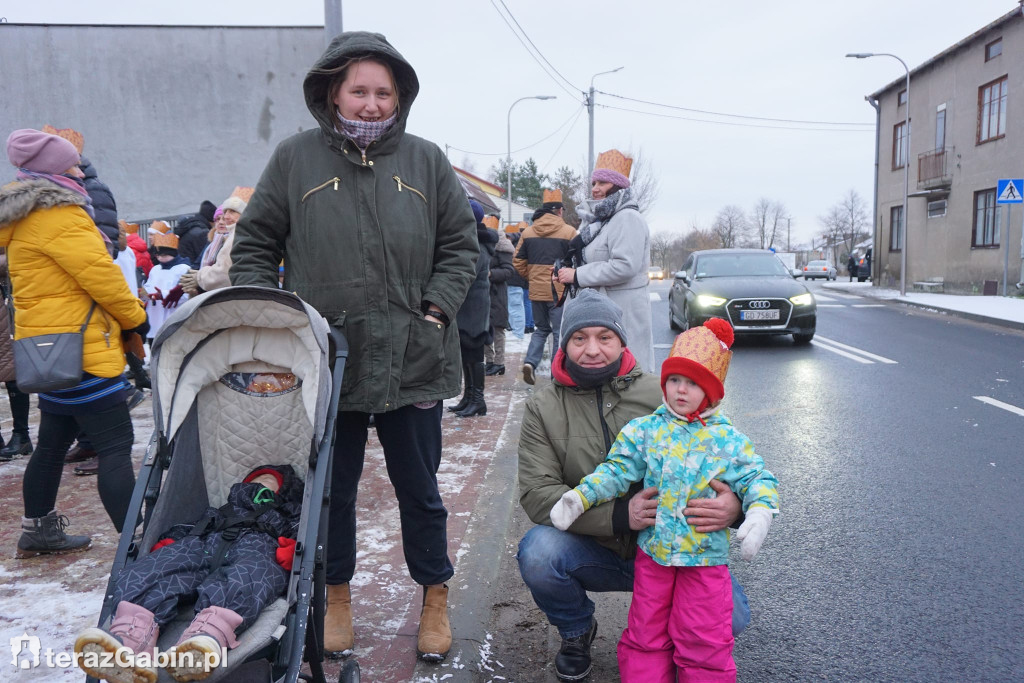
(572, 663)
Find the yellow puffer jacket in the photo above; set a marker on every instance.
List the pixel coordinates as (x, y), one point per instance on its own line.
(58, 267)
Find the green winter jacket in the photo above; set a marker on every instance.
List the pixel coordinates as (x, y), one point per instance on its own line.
(562, 440)
(367, 239)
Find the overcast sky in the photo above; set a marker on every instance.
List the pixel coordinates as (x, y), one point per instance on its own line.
(782, 59)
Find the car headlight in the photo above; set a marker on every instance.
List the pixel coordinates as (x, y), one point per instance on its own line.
(706, 301)
(802, 299)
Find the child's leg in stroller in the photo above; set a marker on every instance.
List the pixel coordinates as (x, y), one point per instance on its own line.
(133, 627)
(701, 624)
(645, 650)
(160, 579)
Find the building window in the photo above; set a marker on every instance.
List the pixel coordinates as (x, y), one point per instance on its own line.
(992, 110)
(994, 49)
(899, 145)
(940, 129)
(985, 232)
(937, 208)
(901, 98)
(896, 228)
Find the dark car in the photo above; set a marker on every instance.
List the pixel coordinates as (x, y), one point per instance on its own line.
(751, 288)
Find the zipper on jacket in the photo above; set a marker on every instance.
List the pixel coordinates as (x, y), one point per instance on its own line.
(335, 180)
(106, 333)
(407, 186)
(604, 424)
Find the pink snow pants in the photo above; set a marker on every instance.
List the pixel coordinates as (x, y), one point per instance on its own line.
(680, 622)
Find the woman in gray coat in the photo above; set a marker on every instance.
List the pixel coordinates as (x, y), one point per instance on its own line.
(614, 247)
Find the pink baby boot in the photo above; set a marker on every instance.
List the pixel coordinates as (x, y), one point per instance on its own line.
(199, 650)
(133, 631)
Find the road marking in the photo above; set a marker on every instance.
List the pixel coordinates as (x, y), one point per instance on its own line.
(663, 346)
(1000, 404)
(854, 349)
(831, 305)
(842, 353)
(654, 296)
(822, 297)
(868, 305)
(843, 296)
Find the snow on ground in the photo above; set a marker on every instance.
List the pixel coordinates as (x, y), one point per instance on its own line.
(999, 307)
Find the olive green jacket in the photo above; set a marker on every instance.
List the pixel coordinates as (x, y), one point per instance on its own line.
(562, 440)
(367, 237)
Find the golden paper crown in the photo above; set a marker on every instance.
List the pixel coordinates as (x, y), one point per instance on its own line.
(552, 196)
(243, 193)
(511, 227)
(614, 160)
(131, 228)
(69, 134)
(158, 227)
(165, 239)
(491, 222)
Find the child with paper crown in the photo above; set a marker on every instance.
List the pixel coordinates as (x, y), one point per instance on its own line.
(162, 286)
(680, 620)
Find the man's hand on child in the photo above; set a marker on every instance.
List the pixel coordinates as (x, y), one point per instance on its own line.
(707, 515)
(567, 510)
(643, 509)
(753, 531)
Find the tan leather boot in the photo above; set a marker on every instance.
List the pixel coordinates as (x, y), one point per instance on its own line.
(338, 638)
(435, 637)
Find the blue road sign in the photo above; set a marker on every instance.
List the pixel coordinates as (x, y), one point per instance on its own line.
(1010, 191)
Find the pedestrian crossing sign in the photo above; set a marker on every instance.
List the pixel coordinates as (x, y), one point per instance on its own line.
(1010, 191)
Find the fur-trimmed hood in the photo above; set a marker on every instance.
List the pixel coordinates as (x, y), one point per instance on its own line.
(22, 197)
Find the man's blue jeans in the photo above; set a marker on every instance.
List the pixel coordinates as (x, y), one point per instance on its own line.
(516, 313)
(559, 568)
(547, 319)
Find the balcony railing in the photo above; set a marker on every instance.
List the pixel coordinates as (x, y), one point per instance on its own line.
(933, 168)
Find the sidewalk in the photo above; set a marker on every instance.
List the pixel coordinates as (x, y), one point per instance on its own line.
(54, 598)
(997, 310)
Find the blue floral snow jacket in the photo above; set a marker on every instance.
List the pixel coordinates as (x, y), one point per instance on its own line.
(680, 458)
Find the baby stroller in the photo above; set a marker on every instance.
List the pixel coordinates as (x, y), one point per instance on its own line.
(209, 431)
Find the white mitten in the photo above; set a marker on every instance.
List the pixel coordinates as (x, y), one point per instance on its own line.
(753, 532)
(567, 510)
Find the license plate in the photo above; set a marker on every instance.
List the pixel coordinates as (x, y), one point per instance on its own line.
(771, 314)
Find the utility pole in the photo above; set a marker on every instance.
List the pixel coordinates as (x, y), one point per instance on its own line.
(332, 20)
(590, 113)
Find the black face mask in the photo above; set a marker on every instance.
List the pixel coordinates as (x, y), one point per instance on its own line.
(588, 378)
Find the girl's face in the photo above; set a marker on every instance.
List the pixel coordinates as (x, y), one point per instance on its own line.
(683, 395)
(229, 217)
(267, 480)
(165, 258)
(599, 189)
(367, 93)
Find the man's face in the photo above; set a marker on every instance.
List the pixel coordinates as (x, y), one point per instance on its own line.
(594, 347)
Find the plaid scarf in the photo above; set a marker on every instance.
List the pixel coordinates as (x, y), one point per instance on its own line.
(594, 213)
(364, 132)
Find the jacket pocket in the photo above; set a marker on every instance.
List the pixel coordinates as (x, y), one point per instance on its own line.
(424, 353)
(402, 185)
(322, 186)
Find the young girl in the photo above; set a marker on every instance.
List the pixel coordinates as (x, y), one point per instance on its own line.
(162, 284)
(680, 618)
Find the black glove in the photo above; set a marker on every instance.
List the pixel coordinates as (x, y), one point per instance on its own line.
(142, 330)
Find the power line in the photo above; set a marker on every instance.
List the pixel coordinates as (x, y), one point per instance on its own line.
(737, 116)
(572, 117)
(572, 94)
(567, 133)
(537, 49)
(736, 123)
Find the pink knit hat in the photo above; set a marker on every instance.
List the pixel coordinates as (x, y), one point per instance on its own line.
(612, 167)
(41, 152)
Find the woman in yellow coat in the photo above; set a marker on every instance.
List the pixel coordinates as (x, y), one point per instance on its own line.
(59, 267)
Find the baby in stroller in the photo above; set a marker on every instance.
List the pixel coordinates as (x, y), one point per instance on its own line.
(234, 560)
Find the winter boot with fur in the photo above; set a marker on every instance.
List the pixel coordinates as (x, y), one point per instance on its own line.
(476, 405)
(134, 628)
(45, 536)
(435, 636)
(338, 635)
(200, 649)
(467, 384)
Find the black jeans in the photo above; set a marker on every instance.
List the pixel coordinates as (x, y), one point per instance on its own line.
(411, 438)
(19, 408)
(112, 436)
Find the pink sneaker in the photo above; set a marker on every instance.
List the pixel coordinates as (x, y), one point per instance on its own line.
(133, 630)
(200, 649)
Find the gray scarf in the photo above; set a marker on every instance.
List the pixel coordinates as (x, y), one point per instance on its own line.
(594, 213)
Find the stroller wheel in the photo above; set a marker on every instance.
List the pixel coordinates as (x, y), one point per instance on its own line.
(349, 672)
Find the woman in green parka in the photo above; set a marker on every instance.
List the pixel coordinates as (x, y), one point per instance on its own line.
(376, 233)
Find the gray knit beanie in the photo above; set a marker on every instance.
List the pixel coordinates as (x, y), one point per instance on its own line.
(590, 308)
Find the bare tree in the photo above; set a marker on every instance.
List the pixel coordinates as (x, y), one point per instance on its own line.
(833, 226)
(765, 219)
(730, 226)
(644, 183)
(855, 210)
(469, 165)
(661, 247)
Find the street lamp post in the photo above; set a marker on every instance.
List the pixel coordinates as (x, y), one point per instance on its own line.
(508, 161)
(590, 112)
(906, 165)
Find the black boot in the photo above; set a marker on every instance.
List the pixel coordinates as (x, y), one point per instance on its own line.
(476, 405)
(464, 401)
(572, 663)
(138, 371)
(19, 444)
(494, 369)
(45, 536)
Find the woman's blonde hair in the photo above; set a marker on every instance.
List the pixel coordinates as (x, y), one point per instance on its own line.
(338, 74)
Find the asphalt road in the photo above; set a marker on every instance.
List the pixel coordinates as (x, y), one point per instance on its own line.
(898, 555)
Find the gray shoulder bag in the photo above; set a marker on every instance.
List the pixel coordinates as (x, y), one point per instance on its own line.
(50, 362)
